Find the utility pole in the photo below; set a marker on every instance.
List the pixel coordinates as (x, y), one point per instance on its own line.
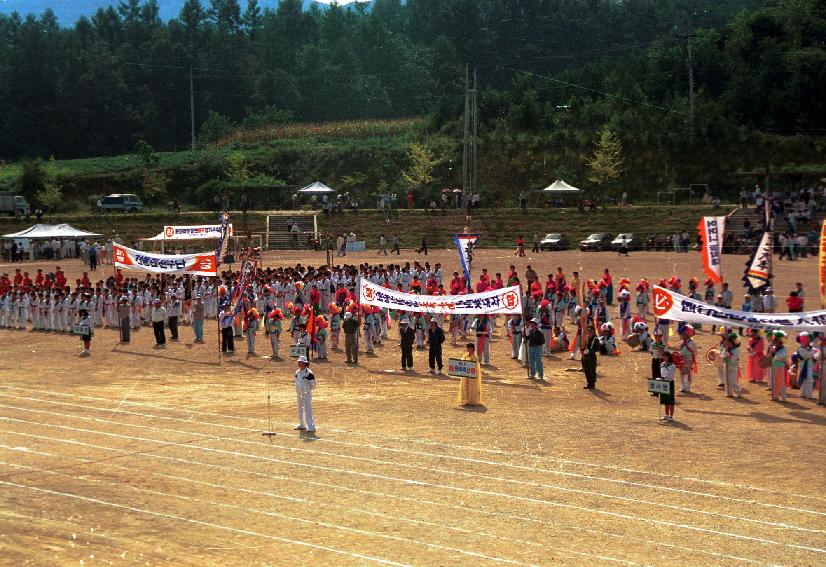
(474, 168)
(690, 63)
(465, 142)
(192, 106)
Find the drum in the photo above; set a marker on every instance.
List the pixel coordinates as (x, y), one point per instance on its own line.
(713, 357)
(764, 362)
(633, 340)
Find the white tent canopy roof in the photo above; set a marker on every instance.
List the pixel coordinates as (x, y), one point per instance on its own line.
(560, 186)
(43, 231)
(316, 188)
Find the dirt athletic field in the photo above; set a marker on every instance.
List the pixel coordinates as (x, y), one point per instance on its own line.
(143, 456)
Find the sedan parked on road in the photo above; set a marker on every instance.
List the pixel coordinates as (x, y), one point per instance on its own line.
(554, 241)
(596, 241)
(627, 239)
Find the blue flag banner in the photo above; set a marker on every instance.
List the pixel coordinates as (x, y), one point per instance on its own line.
(465, 243)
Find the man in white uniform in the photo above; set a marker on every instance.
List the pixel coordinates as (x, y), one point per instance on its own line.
(304, 385)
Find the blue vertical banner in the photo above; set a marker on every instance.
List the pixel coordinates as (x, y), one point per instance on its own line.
(465, 243)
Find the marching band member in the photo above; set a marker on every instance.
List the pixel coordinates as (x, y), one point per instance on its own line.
(514, 326)
(756, 349)
(641, 329)
(335, 325)
(482, 327)
(321, 338)
(805, 366)
(730, 351)
(779, 358)
(688, 354)
(274, 328)
(607, 342)
(624, 313)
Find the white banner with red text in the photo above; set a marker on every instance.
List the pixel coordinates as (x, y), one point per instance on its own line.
(192, 264)
(711, 231)
(507, 301)
(196, 232)
(676, 307)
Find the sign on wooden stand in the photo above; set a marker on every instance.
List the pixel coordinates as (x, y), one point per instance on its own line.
(461, 368)
(298, 350)
(661, 387)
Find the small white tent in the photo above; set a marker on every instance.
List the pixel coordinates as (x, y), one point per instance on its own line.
(317, 188)
(560, 186)
(49, 231)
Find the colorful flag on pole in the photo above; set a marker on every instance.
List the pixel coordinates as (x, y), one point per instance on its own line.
(711, 231)
(226, 232)
(465, 243)
(823, 265)
(244, 280)
(758, 272)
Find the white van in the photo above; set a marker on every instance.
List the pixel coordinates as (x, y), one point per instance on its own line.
(126, 202)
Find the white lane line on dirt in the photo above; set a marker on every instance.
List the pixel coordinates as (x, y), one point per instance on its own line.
(202, 523)
(444, 456)
(114, 411)
(431, 485)
(428, 442)
(207, 438)
(248, 510)
(319, 503)
(328, 485)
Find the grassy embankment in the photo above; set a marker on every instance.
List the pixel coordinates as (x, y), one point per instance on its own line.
(498, 227)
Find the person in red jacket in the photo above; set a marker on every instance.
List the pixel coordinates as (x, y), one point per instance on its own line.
(520, 246)
(795, 303)
(59, 278)
(39, 277)
(18, 277)
(27, 282)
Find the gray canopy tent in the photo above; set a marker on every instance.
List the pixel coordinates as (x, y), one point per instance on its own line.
(51, 231)
(560, 187)
(317, 188)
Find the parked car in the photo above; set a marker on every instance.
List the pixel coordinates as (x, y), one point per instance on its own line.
(126, 202)
(596, 241)
(554, 241)
(14, 204)
(628, 239)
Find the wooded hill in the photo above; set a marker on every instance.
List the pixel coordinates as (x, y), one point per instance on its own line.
(592, 91)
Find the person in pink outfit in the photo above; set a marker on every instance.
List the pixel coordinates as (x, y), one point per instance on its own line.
(757, 349)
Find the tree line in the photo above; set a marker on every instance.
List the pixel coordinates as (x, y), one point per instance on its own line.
(555, 77)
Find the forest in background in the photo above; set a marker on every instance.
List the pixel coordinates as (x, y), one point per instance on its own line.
(592, 91)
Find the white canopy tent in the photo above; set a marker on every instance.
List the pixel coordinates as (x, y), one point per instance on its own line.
(317, 188)
(560, 186)
(51, 231)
